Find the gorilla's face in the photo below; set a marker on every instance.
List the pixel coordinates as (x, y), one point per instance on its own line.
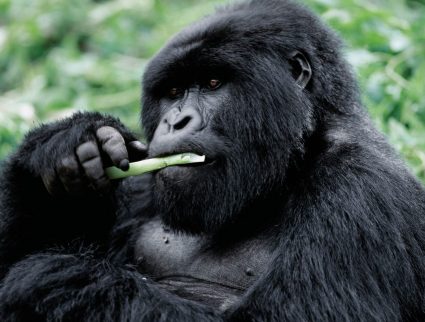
(235, 97)
(187, 114)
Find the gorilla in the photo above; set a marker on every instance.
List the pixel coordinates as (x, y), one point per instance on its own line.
(301, 212)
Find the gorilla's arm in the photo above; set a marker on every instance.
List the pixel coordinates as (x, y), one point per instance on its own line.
(85, 285)
(347, 252)
(60, 287)
(31, 218)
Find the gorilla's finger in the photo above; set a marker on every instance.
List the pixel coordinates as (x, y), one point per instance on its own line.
(52, 183)
(70, 174)
(137, 150)
(113, 144)
(89, 157)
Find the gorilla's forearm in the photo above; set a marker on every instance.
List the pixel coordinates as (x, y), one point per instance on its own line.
(54, 287)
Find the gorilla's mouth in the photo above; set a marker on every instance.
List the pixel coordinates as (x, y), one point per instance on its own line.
(208, 158)
(197, 165)
(183, 172)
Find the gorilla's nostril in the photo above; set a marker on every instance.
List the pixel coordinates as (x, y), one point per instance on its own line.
(182, 123)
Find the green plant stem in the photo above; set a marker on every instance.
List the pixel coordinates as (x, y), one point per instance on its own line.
(149, 165)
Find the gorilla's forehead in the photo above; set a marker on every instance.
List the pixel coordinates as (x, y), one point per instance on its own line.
(198, 51)
(218, 42)
(234, 38)
(213, 37)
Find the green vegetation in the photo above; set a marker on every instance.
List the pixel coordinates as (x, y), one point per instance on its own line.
(59, 56)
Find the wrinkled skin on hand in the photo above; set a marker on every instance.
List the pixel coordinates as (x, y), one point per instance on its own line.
(74, 164)
(85, 168)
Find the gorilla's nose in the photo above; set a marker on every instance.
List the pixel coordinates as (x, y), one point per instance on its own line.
(179, 123)
(186, 121)
(175, 127)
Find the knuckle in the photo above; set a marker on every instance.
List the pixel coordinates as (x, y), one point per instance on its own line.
(68, 167)
(105, 133)
(93, 170)
(116, 150)
(92, 163)
(87, 151)
(115, 140)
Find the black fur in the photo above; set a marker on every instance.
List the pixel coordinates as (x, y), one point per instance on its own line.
(346, 216)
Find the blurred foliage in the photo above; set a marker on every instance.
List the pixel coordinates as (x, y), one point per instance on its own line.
(60, 56)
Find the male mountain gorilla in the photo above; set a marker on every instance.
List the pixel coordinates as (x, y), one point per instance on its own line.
(301, 212)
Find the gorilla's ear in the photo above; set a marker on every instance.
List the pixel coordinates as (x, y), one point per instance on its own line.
(301, 70)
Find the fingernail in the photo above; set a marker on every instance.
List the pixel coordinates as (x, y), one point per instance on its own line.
(124, 165)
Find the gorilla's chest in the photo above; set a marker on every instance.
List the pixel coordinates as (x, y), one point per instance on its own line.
(195, 268)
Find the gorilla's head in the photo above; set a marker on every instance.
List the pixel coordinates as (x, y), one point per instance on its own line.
(247, 87)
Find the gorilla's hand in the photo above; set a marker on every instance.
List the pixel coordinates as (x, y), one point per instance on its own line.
(83, 165)
(72, 154)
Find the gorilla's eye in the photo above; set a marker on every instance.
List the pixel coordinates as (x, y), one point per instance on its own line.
(213, 84)
(174, 92)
